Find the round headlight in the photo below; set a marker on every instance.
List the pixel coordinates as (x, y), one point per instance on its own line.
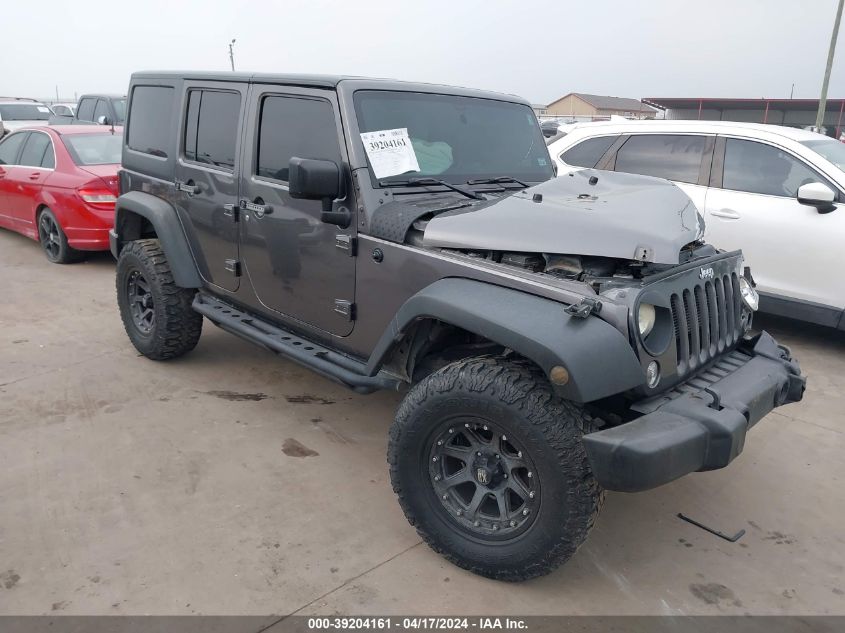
(645, 319)
(749, 295)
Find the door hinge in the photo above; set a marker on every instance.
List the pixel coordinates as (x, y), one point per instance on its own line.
(232, 211)
(345, 309)
(234, 267)
(347, 243)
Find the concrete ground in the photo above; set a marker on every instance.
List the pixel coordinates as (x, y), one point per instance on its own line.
(232, 482)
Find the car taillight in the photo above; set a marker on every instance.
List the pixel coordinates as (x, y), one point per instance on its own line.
(99, 197)
(98, 193)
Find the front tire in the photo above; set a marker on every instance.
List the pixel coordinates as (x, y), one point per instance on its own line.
(156, 313)
(490, 468)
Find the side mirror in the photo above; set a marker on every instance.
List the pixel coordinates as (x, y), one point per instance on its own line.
(816, 194)
(103, 120)
(311, 179)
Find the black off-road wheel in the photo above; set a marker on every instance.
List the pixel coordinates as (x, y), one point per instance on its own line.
(54, 241)
(156, 313)
(490, 468)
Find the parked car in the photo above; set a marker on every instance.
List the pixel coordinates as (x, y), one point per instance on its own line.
(18, 112)
(101, 109)
(558, 337)
(776, 192)
(58, 185)
(553, 127)
(64, 109)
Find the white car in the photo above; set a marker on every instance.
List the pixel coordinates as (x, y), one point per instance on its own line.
(64, 109)
(18, 112)
(775, 192)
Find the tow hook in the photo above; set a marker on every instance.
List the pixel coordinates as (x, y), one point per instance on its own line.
(585, 308)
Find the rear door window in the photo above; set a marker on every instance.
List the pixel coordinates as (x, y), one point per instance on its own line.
(38, 151)
(9, 148)
(759, 168)
(211, 129)
(671, 156)
(588, 153)
(86, 110)
(293, 126)
(149, 120)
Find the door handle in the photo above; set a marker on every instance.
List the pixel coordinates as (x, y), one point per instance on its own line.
(257, 207)
(728, 214)
(188, 187)
(35, 175)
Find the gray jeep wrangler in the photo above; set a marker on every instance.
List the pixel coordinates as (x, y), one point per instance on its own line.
(557, 337)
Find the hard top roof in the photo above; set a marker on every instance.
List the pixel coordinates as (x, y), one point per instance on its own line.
(320, 81)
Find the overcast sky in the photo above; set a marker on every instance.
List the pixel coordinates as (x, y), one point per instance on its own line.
(537, 49)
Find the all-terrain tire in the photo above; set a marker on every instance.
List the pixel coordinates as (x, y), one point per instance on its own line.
(156, 313)
(54, 241)
(506, 396)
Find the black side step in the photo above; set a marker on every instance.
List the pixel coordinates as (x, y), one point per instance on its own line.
(347, 371)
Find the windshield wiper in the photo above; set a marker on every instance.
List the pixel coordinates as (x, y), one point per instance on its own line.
(497, 180)
(423, 182)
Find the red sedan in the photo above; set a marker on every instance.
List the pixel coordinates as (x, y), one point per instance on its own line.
(58, 185)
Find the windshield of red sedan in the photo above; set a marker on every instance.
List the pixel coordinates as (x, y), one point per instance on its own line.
(24, 112)
(94, 149)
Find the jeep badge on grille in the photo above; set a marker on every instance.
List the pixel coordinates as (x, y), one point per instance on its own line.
(706, 273)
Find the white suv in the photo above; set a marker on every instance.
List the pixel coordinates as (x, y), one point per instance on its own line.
(775, 192)
(18, 112)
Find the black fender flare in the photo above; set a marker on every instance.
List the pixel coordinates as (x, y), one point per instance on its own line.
(164, 219)
(597, 356)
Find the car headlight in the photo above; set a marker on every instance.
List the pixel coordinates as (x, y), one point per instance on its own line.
(645, 319)
(749, 295)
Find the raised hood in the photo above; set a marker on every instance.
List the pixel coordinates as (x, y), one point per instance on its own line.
(587, 212)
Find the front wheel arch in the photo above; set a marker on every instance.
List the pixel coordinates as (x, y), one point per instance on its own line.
(534, 327)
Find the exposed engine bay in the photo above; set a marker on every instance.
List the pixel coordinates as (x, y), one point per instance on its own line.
(600, 272)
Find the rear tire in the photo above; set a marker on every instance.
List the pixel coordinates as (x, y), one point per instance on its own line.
(156, 313)
(54, 241)
(489, 467)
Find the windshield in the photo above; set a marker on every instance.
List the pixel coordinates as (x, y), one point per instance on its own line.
(834, 151)
(119, 109)
(456, 139)
(24, 112)
(94, 149)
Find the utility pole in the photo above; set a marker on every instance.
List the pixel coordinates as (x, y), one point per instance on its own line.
(792, 91)
(833, 37)
(232, 53)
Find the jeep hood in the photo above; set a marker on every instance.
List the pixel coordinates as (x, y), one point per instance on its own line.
(588, 212)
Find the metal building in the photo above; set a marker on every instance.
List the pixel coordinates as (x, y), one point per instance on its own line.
(790, 112)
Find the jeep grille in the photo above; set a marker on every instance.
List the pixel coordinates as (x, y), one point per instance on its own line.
(707, 320)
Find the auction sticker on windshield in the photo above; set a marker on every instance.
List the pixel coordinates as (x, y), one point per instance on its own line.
(390, 152)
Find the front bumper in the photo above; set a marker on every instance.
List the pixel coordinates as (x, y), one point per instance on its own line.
(703, 428)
